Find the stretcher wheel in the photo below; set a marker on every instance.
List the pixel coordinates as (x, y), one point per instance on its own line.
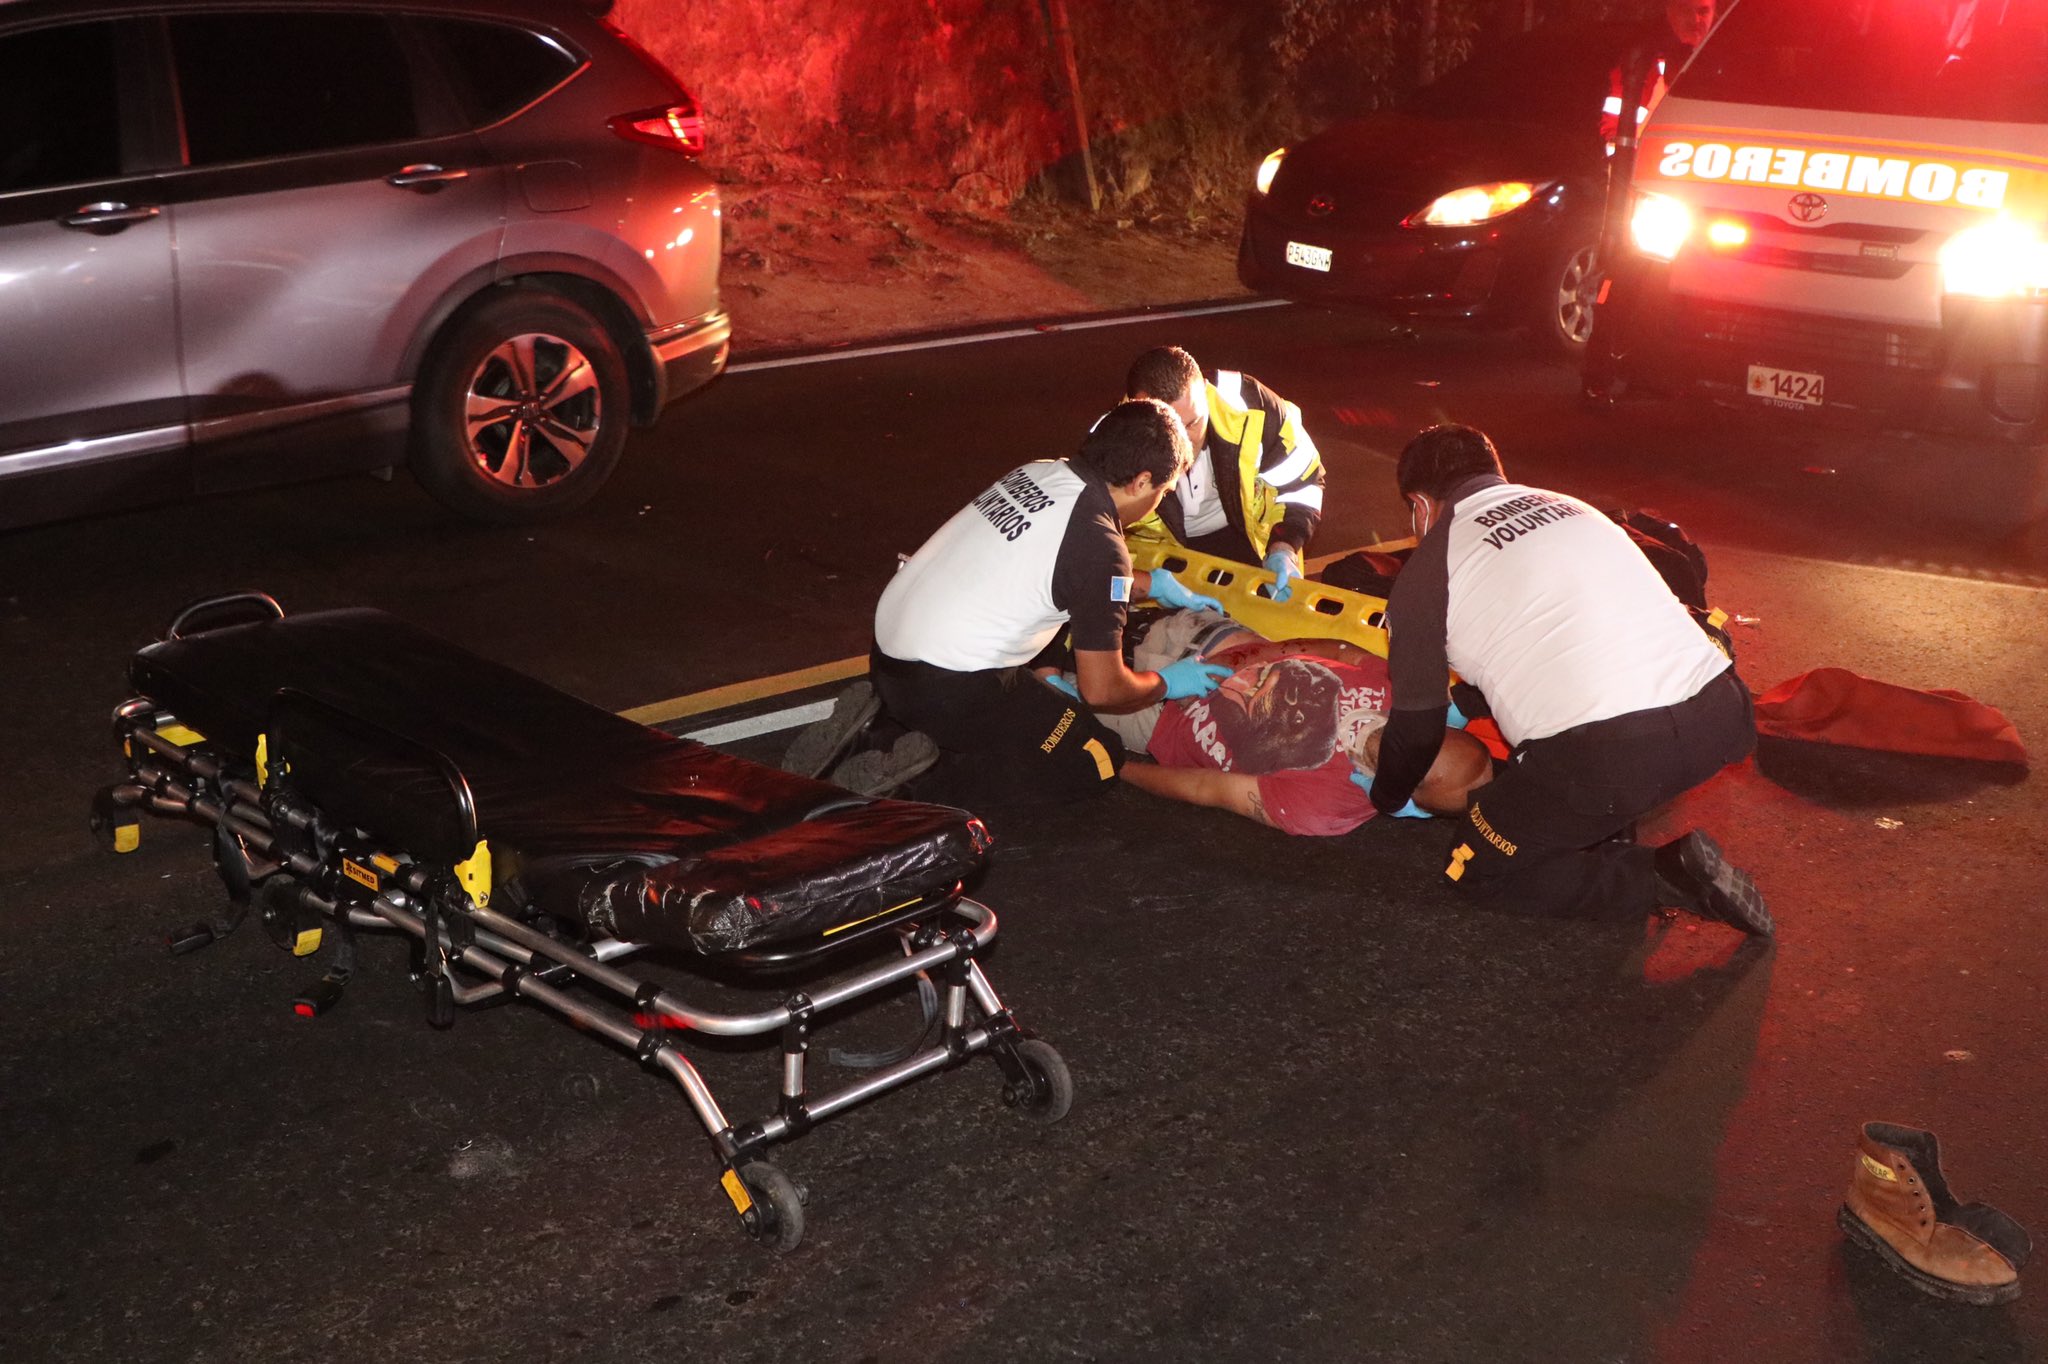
(777, 1217)
(117, 827)
(1052, 1088)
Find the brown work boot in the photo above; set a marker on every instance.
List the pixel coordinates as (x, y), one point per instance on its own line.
(1899, 1206)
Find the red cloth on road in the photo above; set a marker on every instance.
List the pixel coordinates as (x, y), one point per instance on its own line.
(1836, 706)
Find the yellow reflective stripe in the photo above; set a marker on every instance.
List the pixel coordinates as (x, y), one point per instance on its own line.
(184, 736)
(736, 1189)
(1103, 766)
(307, 943)
(127, 837)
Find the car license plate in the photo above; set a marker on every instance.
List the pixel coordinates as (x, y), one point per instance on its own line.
(1309, 257)
(1786, 386)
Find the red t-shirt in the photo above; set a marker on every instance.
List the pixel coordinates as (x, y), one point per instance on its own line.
(1294, 723)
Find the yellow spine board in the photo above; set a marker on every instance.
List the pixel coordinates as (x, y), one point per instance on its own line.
(1314, 611)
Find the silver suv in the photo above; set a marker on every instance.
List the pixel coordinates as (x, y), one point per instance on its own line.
(249, 243)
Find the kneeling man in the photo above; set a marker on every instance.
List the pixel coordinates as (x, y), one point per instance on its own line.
(1038, 554)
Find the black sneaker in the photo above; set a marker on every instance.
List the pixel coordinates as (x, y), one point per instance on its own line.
(877, 772)
(1699, 877)
(812, 752)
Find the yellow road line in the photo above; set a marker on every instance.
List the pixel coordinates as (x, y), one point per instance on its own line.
(739, 693)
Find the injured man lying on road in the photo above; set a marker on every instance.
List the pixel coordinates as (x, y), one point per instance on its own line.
(1290, 739)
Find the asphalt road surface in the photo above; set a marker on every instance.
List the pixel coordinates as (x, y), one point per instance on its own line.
(1324, 1112)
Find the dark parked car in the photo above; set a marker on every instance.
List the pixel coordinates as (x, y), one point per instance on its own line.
(1478, 197)
(256, 242)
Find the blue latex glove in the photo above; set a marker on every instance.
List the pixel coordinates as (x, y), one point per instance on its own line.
(1285, 568)
(1456, 719)
(1190, 676)
(1060, 682)
(1168, 591)
(1363, 781)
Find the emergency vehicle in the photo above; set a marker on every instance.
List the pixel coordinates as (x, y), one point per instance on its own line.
(1841, 216)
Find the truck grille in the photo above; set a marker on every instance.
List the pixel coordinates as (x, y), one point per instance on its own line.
(1767, 335)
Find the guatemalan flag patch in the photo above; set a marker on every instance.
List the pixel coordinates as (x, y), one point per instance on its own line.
(1120, 589)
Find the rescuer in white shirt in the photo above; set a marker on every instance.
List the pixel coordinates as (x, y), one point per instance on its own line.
(1613, 700)
(1038, 555)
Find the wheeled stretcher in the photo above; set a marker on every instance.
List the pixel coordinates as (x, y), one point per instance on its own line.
(360, 774)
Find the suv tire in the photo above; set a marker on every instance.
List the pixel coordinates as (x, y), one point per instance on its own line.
(552, 377)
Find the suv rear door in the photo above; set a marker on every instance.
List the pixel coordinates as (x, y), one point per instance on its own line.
(91, 409)
(331, 201)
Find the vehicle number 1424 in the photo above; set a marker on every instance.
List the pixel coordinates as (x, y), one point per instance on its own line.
(1786, 386)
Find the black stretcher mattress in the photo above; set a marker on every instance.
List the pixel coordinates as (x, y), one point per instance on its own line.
(631, 832)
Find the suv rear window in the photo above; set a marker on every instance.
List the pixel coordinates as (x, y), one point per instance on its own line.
(1979, 61)
(59, 107)
(497, 69)
(256, 85)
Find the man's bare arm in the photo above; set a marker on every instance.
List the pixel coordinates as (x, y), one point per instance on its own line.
(1106, 683)
(1233, 791)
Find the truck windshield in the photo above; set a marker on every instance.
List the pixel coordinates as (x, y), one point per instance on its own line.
(1984, 60)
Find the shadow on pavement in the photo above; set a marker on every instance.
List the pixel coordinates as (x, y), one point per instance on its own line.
(1844, 778)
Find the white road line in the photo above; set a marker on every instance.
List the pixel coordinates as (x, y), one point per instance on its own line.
(1920, 568)
(1007, 334)
(773, 722)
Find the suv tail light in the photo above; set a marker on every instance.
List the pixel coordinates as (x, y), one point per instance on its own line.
(678, 126)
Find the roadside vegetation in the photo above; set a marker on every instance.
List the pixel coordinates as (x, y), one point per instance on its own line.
(875, 152)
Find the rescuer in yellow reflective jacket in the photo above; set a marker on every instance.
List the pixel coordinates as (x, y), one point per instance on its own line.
(1255, 491)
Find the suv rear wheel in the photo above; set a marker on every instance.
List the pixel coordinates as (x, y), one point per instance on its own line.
(520, 411)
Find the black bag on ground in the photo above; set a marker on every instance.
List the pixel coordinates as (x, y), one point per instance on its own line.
(1680, 563)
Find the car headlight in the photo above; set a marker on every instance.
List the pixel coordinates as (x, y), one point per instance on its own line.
(1660, 225)
(1269, 168)
(1473, 204)
(1999, 259)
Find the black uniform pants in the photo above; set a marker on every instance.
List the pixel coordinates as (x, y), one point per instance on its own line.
(1001, 730)
(1543, 836)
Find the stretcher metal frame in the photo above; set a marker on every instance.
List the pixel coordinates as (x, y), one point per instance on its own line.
(317, 879)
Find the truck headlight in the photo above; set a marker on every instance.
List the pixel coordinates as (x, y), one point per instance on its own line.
(1473, 204)
(2003, 258)
(1268, 168)
(1659, 225)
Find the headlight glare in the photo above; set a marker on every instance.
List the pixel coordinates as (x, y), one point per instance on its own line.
(1269, 168)
(2003, 258)
(1660, 225)
(1473, 204)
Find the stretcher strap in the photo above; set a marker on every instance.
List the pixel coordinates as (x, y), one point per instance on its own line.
(1314, 611)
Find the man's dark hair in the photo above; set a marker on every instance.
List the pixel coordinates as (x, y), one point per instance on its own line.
(1291, 722)
(1164, 372)
(1137, 436)
(1444, 456)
